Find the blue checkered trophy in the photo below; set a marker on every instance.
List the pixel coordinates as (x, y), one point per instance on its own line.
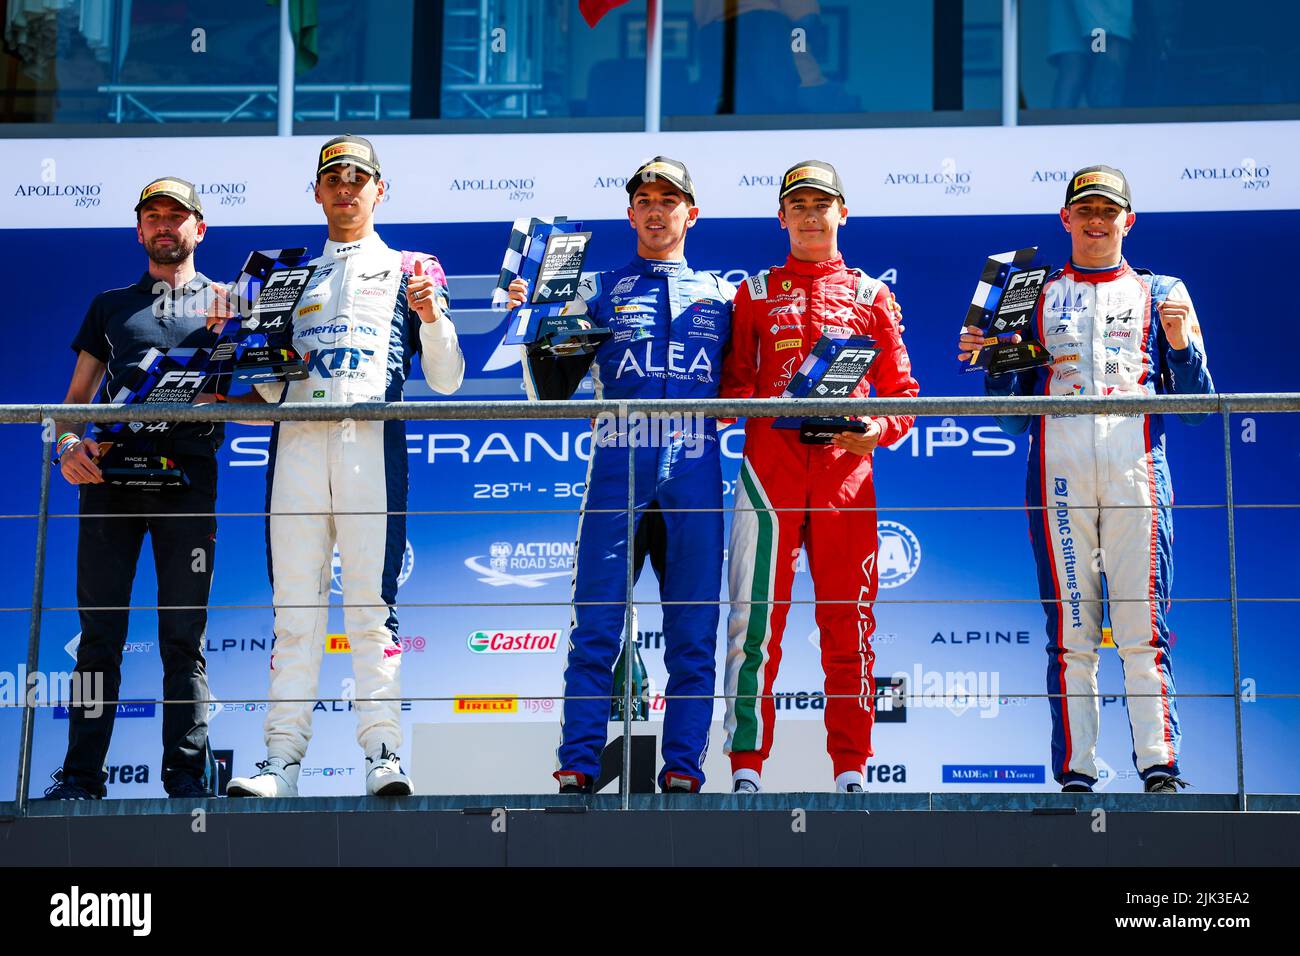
(129, 452)
(834, 368)
(258, 340)
(548, 254)
(1004, 305)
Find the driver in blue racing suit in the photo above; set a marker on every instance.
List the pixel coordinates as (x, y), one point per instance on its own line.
(669, 327)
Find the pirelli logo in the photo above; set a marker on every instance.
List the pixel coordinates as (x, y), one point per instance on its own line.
(346, 149)
(486, 705)
(809, 172)
(660, 168)
(1098, 179)
(784, 344)
(337, 644)
(163, 186)
(309, 308)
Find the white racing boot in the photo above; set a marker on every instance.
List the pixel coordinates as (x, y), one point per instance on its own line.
(385, 777)
(276, 777)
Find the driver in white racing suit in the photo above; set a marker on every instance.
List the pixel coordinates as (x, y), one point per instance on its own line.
(367, 308)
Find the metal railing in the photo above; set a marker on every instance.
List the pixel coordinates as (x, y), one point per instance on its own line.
(233, 101)
(1223, 405)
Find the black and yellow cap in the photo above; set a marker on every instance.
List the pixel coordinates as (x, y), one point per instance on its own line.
(670, 171)
(350, 151)
(173, 187)
(812, 173)
(1103, 181)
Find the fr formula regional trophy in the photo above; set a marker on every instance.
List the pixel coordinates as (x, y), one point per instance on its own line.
(1004, 305)
(548, 254)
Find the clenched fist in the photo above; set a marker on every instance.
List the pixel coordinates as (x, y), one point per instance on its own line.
(1176, 317)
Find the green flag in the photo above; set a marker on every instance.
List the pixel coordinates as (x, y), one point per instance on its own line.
(302, 25)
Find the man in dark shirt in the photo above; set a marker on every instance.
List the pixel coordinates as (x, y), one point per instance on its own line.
(165, 309)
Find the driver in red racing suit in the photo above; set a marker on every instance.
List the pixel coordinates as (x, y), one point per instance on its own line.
(819, 497)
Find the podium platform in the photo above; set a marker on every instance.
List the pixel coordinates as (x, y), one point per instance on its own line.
(769, 829)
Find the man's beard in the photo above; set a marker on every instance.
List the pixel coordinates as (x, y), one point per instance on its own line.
(178, 251)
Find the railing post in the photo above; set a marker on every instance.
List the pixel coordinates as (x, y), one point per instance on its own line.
(284, 82)
(629, 614)
(1010, 62)
(1232, 601)
(654, 30)
(34, 631)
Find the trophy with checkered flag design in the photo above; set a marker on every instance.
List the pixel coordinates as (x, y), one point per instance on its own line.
(129, 451)
(834, 368)
(257, 340)
(1004, 305)
(547, 254)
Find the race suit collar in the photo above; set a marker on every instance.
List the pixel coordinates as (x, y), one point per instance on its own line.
(816, 270)
(658, 267)
(341, 250)
(1080, 274)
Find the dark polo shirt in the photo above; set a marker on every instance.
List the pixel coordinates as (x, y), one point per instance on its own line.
(122, 325)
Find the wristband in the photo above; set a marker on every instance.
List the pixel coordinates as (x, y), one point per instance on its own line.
(67, 441)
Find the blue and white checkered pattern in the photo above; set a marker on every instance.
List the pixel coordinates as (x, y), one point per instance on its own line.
(519, 250)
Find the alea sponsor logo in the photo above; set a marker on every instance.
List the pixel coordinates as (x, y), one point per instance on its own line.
(676, 362)
(514, 642)
(898, 554)
(336, 569)
(527, 564)
(128, 773)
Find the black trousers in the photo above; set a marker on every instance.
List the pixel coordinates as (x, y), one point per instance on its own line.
(183, 551)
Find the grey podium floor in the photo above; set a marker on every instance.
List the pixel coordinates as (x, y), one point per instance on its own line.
(789, 829)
